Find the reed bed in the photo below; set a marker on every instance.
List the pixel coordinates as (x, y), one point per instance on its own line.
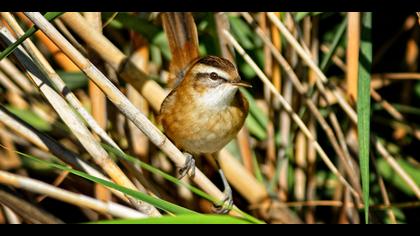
(330, 137)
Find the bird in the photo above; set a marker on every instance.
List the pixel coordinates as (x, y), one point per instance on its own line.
(205, 111)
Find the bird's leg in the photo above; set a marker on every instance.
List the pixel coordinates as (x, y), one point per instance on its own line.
(227, 202)
(189, 166)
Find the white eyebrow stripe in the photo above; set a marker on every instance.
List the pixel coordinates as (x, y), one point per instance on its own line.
(202, 68)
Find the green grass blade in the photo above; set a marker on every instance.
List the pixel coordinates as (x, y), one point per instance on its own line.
(174, 180)
(363, 105)
(326, 61)
(159, 203)
(49, 16)
(182, 219)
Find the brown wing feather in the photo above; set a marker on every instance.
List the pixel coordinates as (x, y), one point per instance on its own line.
(181, 32)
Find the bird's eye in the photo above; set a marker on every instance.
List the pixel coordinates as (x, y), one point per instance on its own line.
(214, 76)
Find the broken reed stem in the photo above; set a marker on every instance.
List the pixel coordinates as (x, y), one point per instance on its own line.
(307, 58)
(75, 124)
(80, 200)
(346, 159)
(290, 111)
(121, 102)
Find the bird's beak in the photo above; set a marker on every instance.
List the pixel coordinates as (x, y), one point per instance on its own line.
(241, 84)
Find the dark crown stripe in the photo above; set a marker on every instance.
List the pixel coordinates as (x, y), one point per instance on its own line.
(217, 62)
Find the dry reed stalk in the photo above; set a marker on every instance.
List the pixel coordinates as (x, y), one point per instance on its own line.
(411, 56)
(77, 127)
(387, 202)
(302, 91)
(29, 212)
(335, 58)
(9, 85)
(270, 159)
(245, 149)
(222, 22)
(13, 93)
(2, 218)
(246, 184)
(285, 130)
(14, 73)
(121, 102)
(311, 172)
(11, 216)
(393, 112)
(80, 200)
(320, 75)
(276, 39)
(62, 60)
(397, 76)
(241, 179)
(112, 55)
(384, 193)
(290, 111)
(57, 181)
(58, 82)
(397, 168)
(48, 144)
(227, 52)
(98, 99)
(353, 46)
(10, 160)
(300, 177)
(139, 143)
(314, 47)
(386, 105)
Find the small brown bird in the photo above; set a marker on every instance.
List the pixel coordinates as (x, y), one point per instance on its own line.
(205, 110)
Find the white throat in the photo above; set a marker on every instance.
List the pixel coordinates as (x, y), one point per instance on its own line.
(219, 97)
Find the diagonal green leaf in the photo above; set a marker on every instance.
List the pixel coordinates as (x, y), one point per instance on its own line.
(49, 16)
(363, 105)
(326, 60)
(31, 118)
(174, 180)
(159, 203)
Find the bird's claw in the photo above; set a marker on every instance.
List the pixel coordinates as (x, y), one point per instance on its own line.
(226, 204)
(189, 166)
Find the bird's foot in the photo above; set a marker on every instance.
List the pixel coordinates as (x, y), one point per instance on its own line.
(227, 201)
(189, 166)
